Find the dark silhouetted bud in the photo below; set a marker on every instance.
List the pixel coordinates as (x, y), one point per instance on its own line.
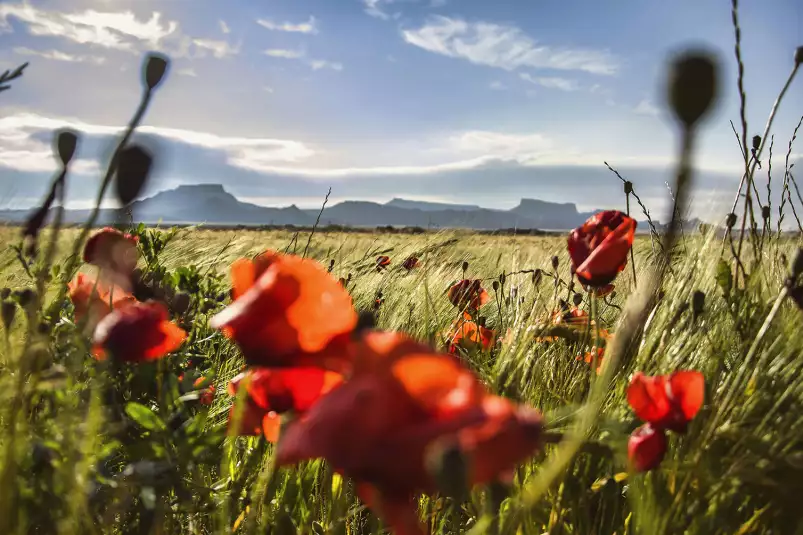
(481, 321)
(181, 303)
(502, 278)
(731, 220)
(495, 285)
(799, 56)
(155, 68)
(765, 212)
(44, 328)
(465, 266)
(8, 310)
(133, 168)
(797, 264)
(4, 293)
(25, 297)
(365, 321)
(537, 276)
(449, 469)
(331, 266)
(555, 262)
(692, 86)
(697, 302)
(628, 187)
(756, 142)
(613, 294)
(66, 143)
(348, 279)
(577, 299)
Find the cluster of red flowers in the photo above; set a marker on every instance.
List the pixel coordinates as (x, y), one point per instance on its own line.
(378, 406)
(121, 326)
(383, 261)
(467, 332)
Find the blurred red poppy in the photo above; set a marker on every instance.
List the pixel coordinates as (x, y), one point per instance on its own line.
(410, 263)
(113, 250)
(468, 294)
(382, 262)
(208, 391)
(468, 334)
(137, 332)
(667, 401)
(646, 448)
(286, 309)
(599, 248)
(589, 358)
(93, 300)
(384, 426)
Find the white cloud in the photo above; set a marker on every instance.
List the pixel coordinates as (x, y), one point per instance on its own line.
(284, 53)
(372, 7)
(57, 55)
(551, 82)
(267, 89)
(20, 148)
(224, 28)
(311, 26)
(646, 107)
(496, 85)
(318, 64)
(504, 47)
(114, 30)
(219, 49)
(189, 71)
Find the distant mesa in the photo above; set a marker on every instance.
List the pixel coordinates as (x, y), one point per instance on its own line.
(211, 204)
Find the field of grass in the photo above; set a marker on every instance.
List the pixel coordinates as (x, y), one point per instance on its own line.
(79, 466)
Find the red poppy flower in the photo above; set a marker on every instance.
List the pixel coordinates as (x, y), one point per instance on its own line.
(137, 332)
(113, 250)
(468, 334)
(667, 401)
(93, 300)
(382, 262)
(410, 263)
(383, 425)
(599, 248)
(589, 358)
(468, 294)
(646, 448)
(286, 307)
(208, 394)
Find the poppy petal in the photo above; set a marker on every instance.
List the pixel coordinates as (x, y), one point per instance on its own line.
(296, 389)
(646, 448)
(688, 392)
(272, 426)
(648, 397)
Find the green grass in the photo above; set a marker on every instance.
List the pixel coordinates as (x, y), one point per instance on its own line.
(72, 464)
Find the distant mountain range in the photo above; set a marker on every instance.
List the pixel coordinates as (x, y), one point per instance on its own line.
(211, 204)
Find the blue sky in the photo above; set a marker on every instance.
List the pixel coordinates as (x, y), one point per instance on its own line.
(474, 101)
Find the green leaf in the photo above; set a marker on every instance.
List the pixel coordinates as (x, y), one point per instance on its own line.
(724, 277)
(144, 417)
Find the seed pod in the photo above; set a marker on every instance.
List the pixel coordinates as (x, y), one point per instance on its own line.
(765, 212)
(495, 285)
(8, 310)
(537, 276)
(465, 267)
(697, 302)
(628, 187)
(154, 69)
(133, 168)
(756, 142)
(692, 86)
(66, 143)
(577, 299)
(731, 220)
(555, 262)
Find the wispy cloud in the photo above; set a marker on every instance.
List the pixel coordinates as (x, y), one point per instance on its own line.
(373, 8)
(311, 26)
(496, 85)
(301, 55)
(551, 82)
(115, 30)
(504, 47)
(57, 55)
(224, 28)
(646, 107)
(188, 71)
(218, 49)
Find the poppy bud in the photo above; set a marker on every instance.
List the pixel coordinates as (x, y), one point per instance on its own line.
(155, 68)
(66, 143)
(555, 262)
(502, 278)
(613, 294)
(4, 293)
(514, 292)
(181, 303)
(756, 142)
(646, 448)
(348, 279)
(481, 321)
(537, 276)
(765, 212)
(577, 299)
(133, 168)
(465, 266)
(8, 310)
(628, 187)
(25, 297)
(44, 328)
(731, 220)
(797, 264)
(799, 55)
(331, 265)
(697, 302)
(692, 86)
(495, 285)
